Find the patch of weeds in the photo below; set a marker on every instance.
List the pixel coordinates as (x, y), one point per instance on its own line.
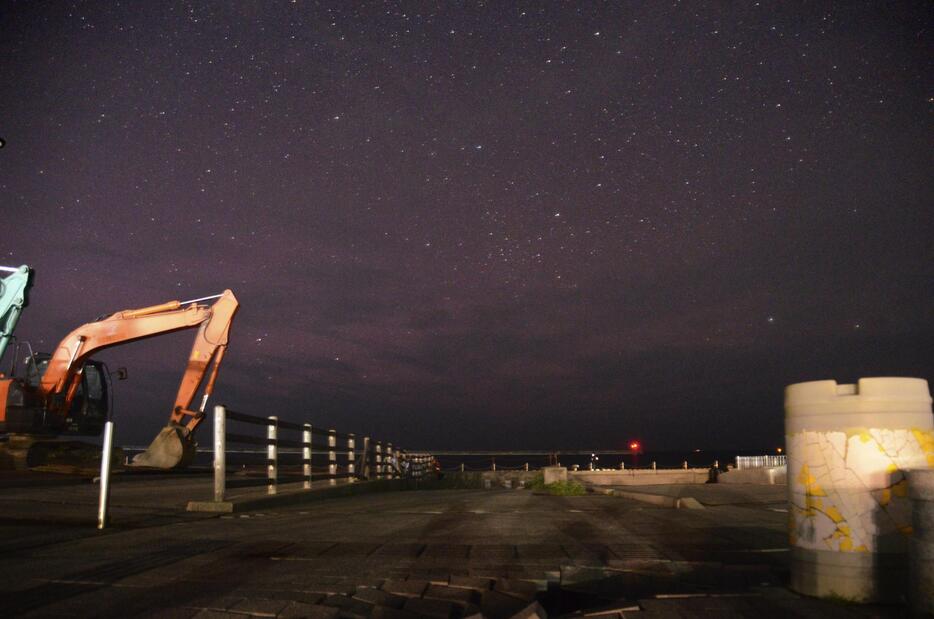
(537, 482)
(566, 488)
(843, 600)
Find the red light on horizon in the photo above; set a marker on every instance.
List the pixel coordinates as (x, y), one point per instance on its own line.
(635, 446)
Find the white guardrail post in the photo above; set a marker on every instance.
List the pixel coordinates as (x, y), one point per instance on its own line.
(306, 455)
(332, 455)
(106, 450)
(366, 458)
(220, 453)
(272, 455)
(378, 460)
(351, 445)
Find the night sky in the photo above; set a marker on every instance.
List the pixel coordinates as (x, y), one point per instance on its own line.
(482, 225)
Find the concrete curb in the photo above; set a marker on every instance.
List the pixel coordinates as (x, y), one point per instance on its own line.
(659, 500)
(295, 497)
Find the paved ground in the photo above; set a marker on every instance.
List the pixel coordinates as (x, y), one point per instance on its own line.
(441, 553)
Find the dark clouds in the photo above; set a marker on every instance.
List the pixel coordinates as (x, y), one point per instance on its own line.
(476, 226)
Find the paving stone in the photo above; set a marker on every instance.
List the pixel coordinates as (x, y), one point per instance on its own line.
(532, 611)
(399, 550)
(216, 602)
(407, 588)
(383, 612)
(553, 552)
(286, 595)
(471, 582)
(260, 607)
(498, 605)
(451, 594)
(178, 613)
(217, 614)
(517, 588)
(337, 601)
(350, 549)
(379, 598)
(489, 572)
(329, 588)
(497, 552)
(294, 610)
(431, 608)
(447, 551)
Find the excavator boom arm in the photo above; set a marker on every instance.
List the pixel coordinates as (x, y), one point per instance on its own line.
(213, 322)
(210, 346)
(14, 290)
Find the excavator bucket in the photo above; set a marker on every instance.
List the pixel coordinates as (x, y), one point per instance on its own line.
(171, 449)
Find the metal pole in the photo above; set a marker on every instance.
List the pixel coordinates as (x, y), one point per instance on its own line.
(332, 455)
(272, 455)
(102, 517)
(207, 298)
(351, 444)
(306, 454)
(220, 453)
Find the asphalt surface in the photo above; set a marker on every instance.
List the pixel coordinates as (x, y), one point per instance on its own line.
(444, 553)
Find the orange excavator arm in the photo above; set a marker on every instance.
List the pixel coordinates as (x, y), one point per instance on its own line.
(63, 376)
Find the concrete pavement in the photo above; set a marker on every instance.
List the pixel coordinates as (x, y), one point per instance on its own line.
(444, 553)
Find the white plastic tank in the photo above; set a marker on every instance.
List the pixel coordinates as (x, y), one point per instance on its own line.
(849, 447)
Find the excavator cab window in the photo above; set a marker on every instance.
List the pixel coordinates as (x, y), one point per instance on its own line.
(36, 365)
(88, 410)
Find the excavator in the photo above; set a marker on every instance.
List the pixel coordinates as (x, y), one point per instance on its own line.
(14, 296)
(66, 393)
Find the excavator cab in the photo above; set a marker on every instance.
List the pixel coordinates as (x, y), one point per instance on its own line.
(86, 415)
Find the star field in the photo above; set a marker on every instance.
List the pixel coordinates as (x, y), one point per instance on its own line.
(478, 224)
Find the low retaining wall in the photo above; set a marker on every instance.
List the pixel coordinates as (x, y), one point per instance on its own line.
(626, 477)
(640, 477)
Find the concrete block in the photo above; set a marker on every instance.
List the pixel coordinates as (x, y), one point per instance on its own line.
(687, 502)
(379, 598)
(496, 604)
(652, 499)
(260, 607)
(406, 588)
(383, 612)
(451, 594)
(430, 608)
(520, 589)
(555, 474)
(471, 582)
(532, 611)
(294, 610)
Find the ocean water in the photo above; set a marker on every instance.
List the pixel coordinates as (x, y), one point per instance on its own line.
(474, 462)
(662, 459)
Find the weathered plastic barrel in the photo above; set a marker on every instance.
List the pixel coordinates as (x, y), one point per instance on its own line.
(921, 570)
(849, 447)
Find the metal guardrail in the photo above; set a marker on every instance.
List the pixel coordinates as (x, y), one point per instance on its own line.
(759, 462)
(377, 460)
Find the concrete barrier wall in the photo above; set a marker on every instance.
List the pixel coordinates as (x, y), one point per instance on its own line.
(773, 476)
